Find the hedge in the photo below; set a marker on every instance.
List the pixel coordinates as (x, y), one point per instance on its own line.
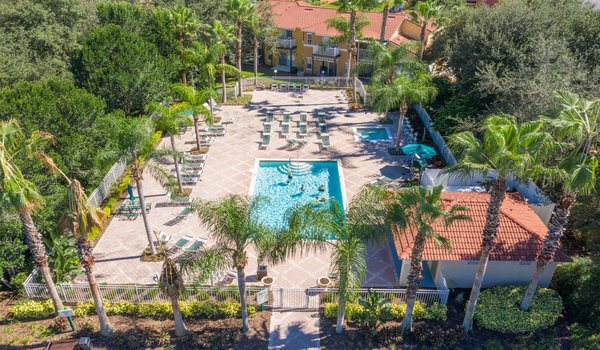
(498, 310)
(436, 311)
(32, 310)
(163, 310)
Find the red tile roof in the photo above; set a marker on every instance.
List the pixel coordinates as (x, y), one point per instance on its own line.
(290, 14)
(520, 233)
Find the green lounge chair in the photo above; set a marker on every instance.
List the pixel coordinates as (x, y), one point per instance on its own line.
(184, 214)
(285, 129)
(325, 143)
(198, 243)
(182, 242)
(266, 140)
(302, 130)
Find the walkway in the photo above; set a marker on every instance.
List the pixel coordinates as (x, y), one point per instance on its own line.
(294, 330)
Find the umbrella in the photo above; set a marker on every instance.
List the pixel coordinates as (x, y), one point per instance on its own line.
(421, 150)
(130, 191)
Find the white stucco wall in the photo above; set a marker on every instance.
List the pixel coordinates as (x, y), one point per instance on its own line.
(460, 274)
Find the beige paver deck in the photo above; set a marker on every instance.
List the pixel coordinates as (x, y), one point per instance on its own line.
(229, 169)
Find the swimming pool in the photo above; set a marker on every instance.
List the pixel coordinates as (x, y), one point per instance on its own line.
(372, 134)
(271, 181)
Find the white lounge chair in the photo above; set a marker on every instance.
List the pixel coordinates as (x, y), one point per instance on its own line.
(325, 143)
(266, 140)
(163, 237)
(214, 132)
(215, 105)
(195, 158)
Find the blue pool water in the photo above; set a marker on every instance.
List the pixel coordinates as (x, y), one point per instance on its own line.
(373, 134)
(272, 182)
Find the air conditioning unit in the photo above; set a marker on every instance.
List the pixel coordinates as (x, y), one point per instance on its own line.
(85, 343)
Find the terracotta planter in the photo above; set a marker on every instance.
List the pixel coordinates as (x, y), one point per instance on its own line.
(267, 281)
(324, 282)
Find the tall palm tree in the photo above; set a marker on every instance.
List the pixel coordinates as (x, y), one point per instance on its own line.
(405, 90)
(135, 144)
(195, 101)
(224, 35)
(171, 283)
(170, 120)
(425, 13)
(186, 24)
(423, 208)
(234, 228)
(81, 220)
(367, 220)
(577, 123)
(386, 11)
(239, 11)
(507, 149)
(19, 195)
(350, 31)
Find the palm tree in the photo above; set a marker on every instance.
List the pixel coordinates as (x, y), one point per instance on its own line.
(405, 90)
(171, 283)
(223, 34)
(577, 122)
(195, 101)
(385, 62)
(81, 220)
(367, 220)
(423, 208)
(170, 120)
(239, 11)
(234, 229)
(19, 195)
(425, 13)
(507, 149)
(206, 60)
(350, 31)
(386, 10)
(186, 24)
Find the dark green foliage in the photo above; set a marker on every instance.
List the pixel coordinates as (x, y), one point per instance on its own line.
(12, 251)
(37, 38)
(498, 310)
(453, 112)
(512, 56)
(439, 336)
(142, 338)
(124, 69)
(577, 283)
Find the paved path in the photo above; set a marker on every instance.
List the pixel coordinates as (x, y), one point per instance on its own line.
(294, 330)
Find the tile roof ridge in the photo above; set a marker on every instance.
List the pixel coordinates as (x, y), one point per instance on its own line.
(516, 198)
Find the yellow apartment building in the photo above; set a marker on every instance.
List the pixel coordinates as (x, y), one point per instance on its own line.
(304, 46)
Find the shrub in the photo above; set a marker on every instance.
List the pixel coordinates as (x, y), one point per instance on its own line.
(158, 310)
(498, 310)
(17, 281)
(86, 308)
(583, 337)
(59, 325)
(353, 311)
(419, 312)
(439, 335)
(32, 309)
(142, 338)
(122, 308)
(437, 312)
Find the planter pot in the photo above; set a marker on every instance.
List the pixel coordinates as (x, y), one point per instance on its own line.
(324, 282)
(267, 281)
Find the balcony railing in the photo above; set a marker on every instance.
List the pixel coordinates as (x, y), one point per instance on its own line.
(326, 51)
(288, 43)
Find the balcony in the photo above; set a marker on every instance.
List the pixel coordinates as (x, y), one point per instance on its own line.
(327, 54)
(288, 43)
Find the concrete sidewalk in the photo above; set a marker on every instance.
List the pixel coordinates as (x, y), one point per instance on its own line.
(294, 330)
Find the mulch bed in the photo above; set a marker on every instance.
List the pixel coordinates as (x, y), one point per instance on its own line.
(354, 337)
(209, 334)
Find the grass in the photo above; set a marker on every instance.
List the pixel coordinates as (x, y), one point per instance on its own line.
(243, 100)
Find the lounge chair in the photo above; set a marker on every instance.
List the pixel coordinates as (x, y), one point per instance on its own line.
(194, 247)
(383, 180)
(290, 86)
(187, 172)
(194, 166)
(323, 129)
(181, 201)
(204, 139)
(283, 86)
(305, 87)
(214, 132)
(163, 237)
(273, 87)
(286, 118)
(325, 143)
(215, 105)
(184, 214)
(298, 87)
(266, 140)
(302, 130)
(195, 158)
(189, 179)
(269, 118)
(182, 242)
(285, 129)
(303, 118)
(266, 128)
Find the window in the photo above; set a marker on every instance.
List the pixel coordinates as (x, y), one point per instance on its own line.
(309, 63)
(309, 38)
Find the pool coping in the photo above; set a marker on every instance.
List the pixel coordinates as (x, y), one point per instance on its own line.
(357, 137)
(339, 165)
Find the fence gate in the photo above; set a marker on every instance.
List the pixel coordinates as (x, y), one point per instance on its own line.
(296, 298)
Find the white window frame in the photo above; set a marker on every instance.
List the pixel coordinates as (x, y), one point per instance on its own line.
(309, 38)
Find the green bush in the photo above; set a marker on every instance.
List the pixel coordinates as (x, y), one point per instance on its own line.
(121, 308)
(498, 310)
(17, 281)
(583, 337)
(32, 309)
(85, 308)
(155, 138)
(435, 312)
(353, 311)
(419, 312)
(157, 310)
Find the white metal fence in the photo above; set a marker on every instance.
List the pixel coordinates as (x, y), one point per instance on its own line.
(279, 298)
(437, 138)
(103, 190)
(314, 82)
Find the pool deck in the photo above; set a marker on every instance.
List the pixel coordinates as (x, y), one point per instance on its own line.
(229, 169)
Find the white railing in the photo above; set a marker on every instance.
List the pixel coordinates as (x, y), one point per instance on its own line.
(103, 190)
(437, 138)
(360, 88)
(326, 51)
(313, 81)
(287, 43)
(284, 298)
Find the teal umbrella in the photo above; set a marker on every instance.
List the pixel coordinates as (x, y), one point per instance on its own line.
(421, 150)
(130, 191)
